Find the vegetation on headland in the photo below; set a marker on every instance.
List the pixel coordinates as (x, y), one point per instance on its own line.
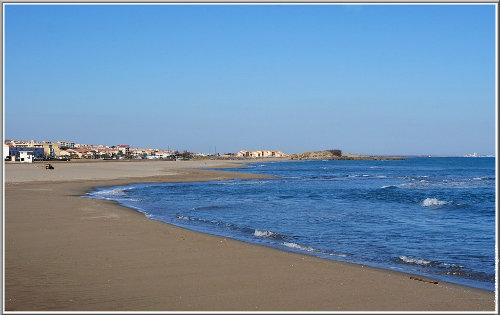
(338, 155)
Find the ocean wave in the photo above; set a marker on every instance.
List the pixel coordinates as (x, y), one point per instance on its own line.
(366, 175)
(260, 182)
(337, 255)
(428, 263)
(425, 184)
(398, 186)
(111, 192)
(312, 250)
(225, 184)
(483, 178)
(430, 202)
(388, 186)
(445, 265)
(441, 268)
(267, 234)
(415, 261)
(297, 246)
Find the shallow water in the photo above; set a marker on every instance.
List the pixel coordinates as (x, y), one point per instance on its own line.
(429, 216)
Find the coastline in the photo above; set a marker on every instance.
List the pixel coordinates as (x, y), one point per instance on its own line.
(65, 252)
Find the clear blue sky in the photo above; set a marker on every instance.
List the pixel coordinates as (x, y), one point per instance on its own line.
(372, 79)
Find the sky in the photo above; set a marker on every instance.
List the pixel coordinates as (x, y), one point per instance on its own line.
(366, 79)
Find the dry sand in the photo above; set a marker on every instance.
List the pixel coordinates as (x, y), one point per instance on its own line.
(67, 253)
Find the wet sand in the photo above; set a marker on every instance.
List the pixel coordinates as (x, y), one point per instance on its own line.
(67, 253)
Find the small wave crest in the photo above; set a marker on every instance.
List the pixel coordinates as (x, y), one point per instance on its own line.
(415, 261)
(110, 192)
(297, 246)
(483, 178)
(312, 250)
(428, 263)
(449, 269)
(430, 202)
(388, 186)
(267, 234)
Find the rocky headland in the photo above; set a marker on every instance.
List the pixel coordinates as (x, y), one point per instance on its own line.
(338, 155)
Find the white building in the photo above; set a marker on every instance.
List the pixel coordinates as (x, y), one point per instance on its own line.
(6, 151)
(261, 153)
(125, 149)
(66, 144)
(26, 156)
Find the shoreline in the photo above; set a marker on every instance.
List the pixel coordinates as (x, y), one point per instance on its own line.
(417, 277)
(65, 252)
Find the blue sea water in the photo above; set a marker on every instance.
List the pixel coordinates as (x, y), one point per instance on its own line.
(427, 216)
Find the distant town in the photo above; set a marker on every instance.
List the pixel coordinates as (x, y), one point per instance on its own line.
(31, 151)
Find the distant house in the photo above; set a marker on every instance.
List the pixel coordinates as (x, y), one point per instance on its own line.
(125, 149)
(85, 153)
(64, 153)
(107, 151)
(26, 156)
(261, 153)
(66, 144)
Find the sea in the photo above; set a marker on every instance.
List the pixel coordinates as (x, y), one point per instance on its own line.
(433, 217)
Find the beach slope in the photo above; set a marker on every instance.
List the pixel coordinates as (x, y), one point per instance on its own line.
(64, 252)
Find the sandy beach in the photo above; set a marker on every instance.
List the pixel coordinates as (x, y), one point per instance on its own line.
(67, 253)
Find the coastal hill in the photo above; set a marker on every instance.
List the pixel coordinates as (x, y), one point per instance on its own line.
(338, 155)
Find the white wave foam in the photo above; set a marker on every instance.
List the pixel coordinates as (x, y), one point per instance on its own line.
(338, 255)
(429, 202)
(416, 261)
(297, 246)
(483, 178)
(225, 184)
(260, 233)
(397, 186)
(111, 192)
(452, 265)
